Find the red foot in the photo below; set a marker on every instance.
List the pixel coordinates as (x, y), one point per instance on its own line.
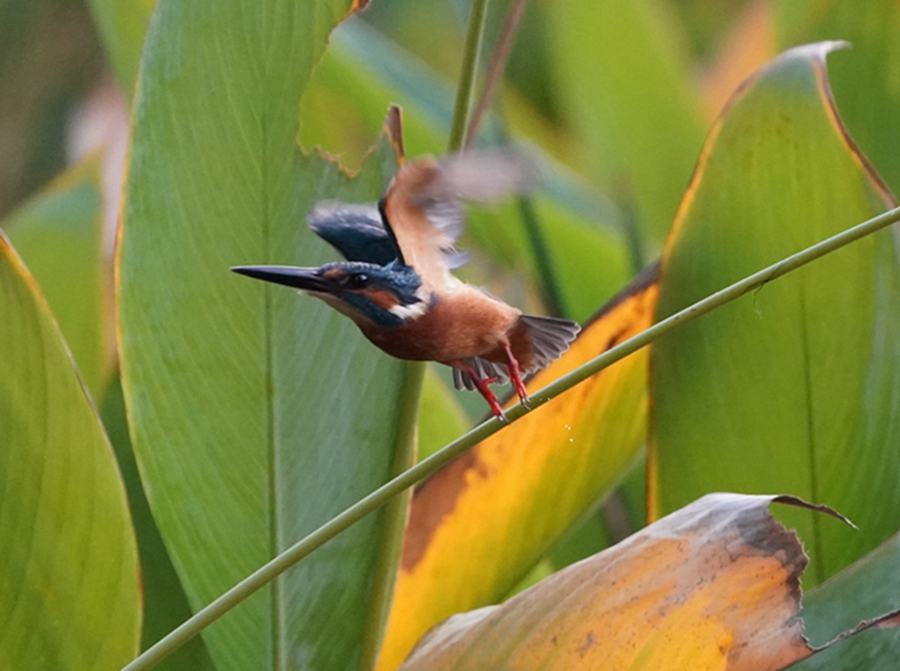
(482, 386)
(515, 375)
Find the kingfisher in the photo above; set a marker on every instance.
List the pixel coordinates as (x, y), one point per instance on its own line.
(396, 282)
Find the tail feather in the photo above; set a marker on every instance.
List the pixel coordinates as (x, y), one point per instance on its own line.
(550, 337)
(485, 369)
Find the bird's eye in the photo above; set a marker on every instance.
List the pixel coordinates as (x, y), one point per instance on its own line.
(358, 280)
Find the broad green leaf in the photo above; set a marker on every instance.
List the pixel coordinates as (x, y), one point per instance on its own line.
(123, 25)
(479, 525)
(256, 414)
(165, 603)
(866, 86)
(69, 594)
(624, 86)
(59, 234)
(442, 420)
(792, 388)
(713, 586)
(865, 590)
(590, 262)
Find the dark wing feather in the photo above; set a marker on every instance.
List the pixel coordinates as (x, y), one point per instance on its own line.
(550, 337)
(356, 231)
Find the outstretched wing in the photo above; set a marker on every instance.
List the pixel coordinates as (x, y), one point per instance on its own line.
(357, 233)
(423, 204)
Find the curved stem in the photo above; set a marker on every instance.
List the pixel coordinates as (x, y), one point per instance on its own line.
(264, 575)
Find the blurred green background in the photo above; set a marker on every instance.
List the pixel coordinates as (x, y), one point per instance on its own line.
(614, 98)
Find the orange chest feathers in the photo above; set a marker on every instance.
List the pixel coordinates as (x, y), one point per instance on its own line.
(461, 324)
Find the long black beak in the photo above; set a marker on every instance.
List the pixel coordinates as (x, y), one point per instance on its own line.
(306, 279)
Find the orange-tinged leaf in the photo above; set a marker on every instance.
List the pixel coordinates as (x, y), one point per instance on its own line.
(713, 586)
(785, 389)
(479, 524)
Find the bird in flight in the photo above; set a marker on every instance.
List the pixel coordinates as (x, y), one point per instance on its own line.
(397, 286)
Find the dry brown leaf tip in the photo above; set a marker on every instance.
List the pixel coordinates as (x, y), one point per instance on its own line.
(713, 585)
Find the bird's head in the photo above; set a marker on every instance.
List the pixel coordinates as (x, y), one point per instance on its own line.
(388, 296)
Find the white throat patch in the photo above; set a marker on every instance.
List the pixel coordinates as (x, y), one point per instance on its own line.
(413, 311)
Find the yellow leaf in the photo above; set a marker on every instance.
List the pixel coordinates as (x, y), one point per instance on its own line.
(713, 586)
(483, 521)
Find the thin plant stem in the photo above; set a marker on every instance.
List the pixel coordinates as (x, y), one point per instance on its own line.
(467, 76)
(380, 497)
(497, 67)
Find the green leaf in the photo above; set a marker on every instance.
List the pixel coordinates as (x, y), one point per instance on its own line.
(165, 603)
(59, 234)
(790, 389)
(591, 261)
(624, 86)
(69, 595)
(442, 418)
(865, 590)
(866, 86)
(256, 414)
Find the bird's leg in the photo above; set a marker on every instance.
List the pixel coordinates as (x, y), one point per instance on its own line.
(482, 386)
(515, 375)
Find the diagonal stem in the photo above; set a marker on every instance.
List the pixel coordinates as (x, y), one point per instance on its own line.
(422, 470)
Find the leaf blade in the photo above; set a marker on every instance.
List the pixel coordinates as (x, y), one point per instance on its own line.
(860, 592)
(59, 234)
(69, 582)
(712, 586)
(256, 415)
(754, 385)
